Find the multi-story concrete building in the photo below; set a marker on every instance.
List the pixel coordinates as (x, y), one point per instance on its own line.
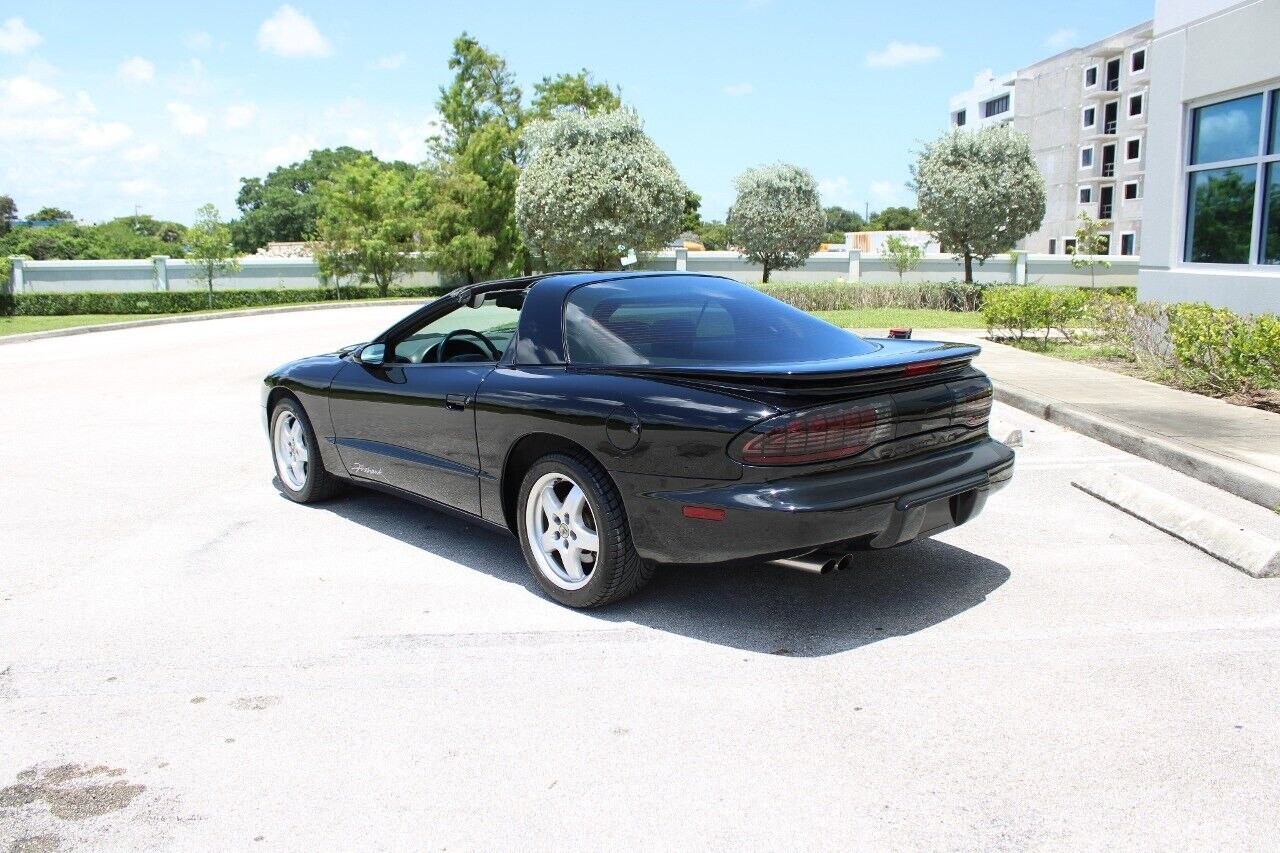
(989, 102)
(1213, 169)
(1085, 113)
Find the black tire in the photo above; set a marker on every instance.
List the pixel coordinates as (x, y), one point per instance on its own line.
(618, 571)
(319, 484)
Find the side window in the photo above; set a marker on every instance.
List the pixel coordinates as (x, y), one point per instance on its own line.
(465, 334)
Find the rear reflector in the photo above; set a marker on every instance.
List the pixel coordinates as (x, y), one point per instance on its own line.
(819, 435)
(705, 513)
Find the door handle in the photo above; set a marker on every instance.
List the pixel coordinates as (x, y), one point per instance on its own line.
(456, 402)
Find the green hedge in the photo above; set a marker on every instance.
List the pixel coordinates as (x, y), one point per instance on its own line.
(186, 301)
(845, 296)
(1224, 352)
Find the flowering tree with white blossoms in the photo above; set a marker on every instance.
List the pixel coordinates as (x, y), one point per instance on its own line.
(979, 191)
(777, 217)
(593, 188)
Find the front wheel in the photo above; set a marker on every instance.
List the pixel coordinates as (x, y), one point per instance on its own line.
(296, 454)
(574, 533)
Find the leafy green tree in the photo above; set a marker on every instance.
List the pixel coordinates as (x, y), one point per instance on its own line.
(483, 91)
(596, 186)
(210, 248)
(572, 92)
(283, 206)
(841, 220)
(1090, 243)
(467, 206)
(903, 253)
(690, 219)
(777, 216)
(52, 214)
(979, 192)
(368, 224)
(8, 214)
(896, 219)
(715, 235)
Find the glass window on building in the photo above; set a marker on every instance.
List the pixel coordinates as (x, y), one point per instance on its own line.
(1233, 155)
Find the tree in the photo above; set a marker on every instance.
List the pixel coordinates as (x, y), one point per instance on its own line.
(777, 216)
(8, 214)
(715, 235)
(483, 91)
(596, 186)
(283, 206)
(572, 92)
(903, 253)
(1090, 242)
(51, 214)
(979, 192)
(690, 218)
(367, 225)
(840, 221)
(896, 219)
(210, 250)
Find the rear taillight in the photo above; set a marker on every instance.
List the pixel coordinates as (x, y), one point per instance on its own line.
(973, 403)
(818, 435)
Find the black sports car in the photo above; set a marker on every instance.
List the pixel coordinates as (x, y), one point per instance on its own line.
(619, 421)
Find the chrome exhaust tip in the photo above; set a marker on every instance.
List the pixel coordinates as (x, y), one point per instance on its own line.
(844, 562)
(817, 564)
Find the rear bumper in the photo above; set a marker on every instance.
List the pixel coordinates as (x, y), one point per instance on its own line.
(884, 505)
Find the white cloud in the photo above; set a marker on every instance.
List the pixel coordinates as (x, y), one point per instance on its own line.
(186, 120)
(901, 53)
(241, 115)
(291, 34)
(884, 189)
(23, 94)
(291, 150)
(835, 191)
(16, 37)
(140, 188)
(198, 41)
(95, 137)
(144, 153)
(389, 63)
(136, 70)
(1061, 39)
(738, 89)
(409, 142)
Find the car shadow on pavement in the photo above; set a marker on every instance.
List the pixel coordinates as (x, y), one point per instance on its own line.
(760, 608)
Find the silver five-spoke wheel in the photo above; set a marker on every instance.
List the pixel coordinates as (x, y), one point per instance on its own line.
(562, 531)
(292, 455)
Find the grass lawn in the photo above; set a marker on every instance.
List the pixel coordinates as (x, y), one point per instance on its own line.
(910, 318)
(22, 325)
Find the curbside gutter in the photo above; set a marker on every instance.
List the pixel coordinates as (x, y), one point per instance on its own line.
(1230, 475)
(1251, 553)
(198, 316)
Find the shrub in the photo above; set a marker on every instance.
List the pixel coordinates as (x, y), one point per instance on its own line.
(839, 296)
(185, 301)
(1023, 311)
(1223, 352)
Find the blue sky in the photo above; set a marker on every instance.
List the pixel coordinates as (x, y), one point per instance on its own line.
(166, 106)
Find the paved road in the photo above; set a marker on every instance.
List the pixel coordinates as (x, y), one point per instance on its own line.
(189, 661)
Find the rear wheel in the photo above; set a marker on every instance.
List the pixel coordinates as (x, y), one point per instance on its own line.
(296, 453)
(574, 533)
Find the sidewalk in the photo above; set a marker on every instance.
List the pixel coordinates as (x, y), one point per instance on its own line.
(1232, 447)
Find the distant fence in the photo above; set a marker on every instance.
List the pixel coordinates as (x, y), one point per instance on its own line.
(161, 273)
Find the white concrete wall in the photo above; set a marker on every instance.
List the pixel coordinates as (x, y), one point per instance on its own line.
(270, 273)
(1202, 49)
(128, 276)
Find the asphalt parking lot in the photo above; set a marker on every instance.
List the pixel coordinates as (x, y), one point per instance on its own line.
(190, 661)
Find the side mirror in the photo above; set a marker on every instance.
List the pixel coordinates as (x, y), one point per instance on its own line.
(374, 355)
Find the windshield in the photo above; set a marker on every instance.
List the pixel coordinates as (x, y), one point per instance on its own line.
(695, 320)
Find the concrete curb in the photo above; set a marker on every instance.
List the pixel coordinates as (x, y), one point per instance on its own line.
(1239, 478)
(196, 317)
(1251, 553)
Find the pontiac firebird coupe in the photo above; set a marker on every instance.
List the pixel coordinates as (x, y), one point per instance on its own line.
(615, 422)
